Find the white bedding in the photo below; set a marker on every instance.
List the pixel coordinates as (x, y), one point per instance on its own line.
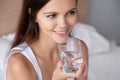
(103, 57)
(105, 65)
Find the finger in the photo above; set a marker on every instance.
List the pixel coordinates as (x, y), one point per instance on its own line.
(80, 70)
(70, 75)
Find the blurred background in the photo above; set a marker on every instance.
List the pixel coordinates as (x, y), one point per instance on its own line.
(104, 15)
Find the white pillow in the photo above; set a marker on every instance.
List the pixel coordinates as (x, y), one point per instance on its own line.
(9, 36)
(4, 48)
(95, 42)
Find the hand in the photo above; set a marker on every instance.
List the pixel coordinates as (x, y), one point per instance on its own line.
(58, 74)
(83, 75)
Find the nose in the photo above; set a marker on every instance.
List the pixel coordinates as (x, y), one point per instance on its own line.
(62, 22)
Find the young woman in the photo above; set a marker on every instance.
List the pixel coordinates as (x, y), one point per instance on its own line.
(34, 53)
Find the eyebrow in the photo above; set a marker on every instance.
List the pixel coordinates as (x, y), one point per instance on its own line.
(72, 9)
(50, 12)
(57, 13)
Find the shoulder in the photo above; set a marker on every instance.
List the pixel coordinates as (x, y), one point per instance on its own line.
(18, 59)
(19, 66)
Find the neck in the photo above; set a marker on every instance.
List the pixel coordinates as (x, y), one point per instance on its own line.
(46, 49)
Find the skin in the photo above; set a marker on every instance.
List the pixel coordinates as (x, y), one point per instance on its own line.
(55, 23)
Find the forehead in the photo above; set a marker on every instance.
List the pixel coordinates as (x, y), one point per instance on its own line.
(61, 1)
(59, 5)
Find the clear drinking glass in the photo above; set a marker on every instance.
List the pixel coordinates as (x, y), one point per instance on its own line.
(71, 55)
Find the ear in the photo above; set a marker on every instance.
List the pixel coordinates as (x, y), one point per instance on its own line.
(29, 10)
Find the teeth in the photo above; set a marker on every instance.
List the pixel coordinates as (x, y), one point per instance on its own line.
(61, 32)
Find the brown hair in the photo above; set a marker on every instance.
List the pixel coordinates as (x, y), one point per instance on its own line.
(28, 29)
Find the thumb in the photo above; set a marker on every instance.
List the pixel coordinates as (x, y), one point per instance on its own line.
(59, 64)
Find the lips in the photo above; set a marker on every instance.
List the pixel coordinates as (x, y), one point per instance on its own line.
(61, 33)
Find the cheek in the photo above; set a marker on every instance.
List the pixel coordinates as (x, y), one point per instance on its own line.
(43, 23)
(72, 21)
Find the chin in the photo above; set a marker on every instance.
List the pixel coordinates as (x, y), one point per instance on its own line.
(60, 41)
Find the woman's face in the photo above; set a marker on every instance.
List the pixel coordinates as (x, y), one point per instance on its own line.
(56, 19)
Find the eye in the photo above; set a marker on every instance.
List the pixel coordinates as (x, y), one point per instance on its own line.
(71, 12)
(51, 15)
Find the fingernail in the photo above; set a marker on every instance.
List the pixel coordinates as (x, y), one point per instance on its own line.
(82, 65)
(59, 62)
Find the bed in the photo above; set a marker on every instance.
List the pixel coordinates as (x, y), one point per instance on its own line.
(105, 65)
(104, 55)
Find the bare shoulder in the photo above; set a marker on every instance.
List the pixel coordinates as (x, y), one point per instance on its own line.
(20, 67)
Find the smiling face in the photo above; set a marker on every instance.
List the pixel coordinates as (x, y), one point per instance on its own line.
(56, 19)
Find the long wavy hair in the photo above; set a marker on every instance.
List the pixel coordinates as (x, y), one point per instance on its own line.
(28, 29)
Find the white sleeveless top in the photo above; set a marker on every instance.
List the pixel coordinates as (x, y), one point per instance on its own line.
(25, 50)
